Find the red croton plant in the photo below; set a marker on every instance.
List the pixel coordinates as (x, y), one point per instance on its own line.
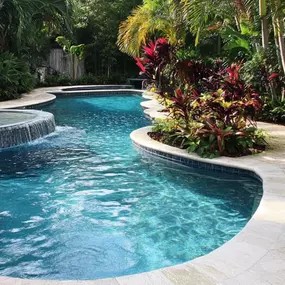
(212, 106)
(155, 57)
(227, 115)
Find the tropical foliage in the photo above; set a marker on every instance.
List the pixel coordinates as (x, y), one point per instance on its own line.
(26, 26)
(96, 25)
(86, 29)
(211, 109)
(89, 79)
(15, 76)
(157, 17)
(25, 31)
(247, 31)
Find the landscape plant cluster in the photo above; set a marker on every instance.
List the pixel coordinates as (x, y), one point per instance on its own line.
(107, 34)
(211, 110)
(29, 29)
(15, 76)
(247, 31)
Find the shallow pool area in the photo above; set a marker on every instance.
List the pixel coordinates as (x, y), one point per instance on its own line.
(82, 203)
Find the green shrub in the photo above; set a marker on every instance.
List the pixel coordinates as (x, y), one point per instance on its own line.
(228, 142)
(264, 74)
(89, 79)
(166, 125)
(273, 112)
(55, 80)
(171, 132)
(15, 77)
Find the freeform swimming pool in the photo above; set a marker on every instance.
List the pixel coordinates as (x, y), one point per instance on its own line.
(83, 204)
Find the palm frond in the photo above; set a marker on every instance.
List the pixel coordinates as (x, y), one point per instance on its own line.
(152, 18)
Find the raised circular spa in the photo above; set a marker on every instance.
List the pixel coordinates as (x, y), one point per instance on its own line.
(22, 126)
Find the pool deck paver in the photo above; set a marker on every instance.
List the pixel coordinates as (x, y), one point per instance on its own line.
(43, 96)
(37, 97)
(256, 256)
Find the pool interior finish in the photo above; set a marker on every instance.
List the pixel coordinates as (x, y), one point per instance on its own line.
(82, 203)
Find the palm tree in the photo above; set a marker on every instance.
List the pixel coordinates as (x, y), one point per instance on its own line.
(264, 23)
(205, 15)
(273, 9)
(19, 17)
(278, 7)
(201, 14)
(153, 17)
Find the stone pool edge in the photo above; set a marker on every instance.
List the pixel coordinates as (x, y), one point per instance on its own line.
(249, 258)
(48, 95)
(255, 256)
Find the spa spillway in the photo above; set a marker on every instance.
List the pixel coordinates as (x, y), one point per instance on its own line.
(22, 126)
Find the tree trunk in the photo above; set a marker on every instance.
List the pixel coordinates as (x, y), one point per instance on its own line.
(276, 39)
(265, 33)
(280, 31)
(278, 25)
(274, 96)
(282, 51)
(264, 23)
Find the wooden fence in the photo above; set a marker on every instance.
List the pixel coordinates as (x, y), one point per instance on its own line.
(66, 64)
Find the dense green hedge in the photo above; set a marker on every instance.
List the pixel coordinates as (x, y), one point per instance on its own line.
(63, 80)
(15, 77)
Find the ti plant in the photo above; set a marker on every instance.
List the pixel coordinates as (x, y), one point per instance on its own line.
(213, 109)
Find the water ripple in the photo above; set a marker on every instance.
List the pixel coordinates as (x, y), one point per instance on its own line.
(82, 204)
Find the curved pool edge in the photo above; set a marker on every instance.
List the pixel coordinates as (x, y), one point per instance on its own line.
(38, 97)
(47, 95)
(255, 256)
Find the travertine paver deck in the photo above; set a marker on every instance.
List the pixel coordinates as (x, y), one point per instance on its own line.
(42, 96)
(256, 256)
(36, 97)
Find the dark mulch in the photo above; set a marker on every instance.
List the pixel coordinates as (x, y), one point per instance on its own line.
(156, 136)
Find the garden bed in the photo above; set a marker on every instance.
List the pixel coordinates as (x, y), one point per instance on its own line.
(160, 137)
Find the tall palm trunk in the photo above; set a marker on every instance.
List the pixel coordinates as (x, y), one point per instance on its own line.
(280, 26)
(279, 30)
(282, 50)
(265, 33)
(275, 29)
(264, 23)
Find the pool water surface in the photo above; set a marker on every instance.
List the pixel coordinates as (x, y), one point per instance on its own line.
(82, 203)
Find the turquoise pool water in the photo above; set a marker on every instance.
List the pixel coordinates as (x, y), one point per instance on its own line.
(83, 204)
